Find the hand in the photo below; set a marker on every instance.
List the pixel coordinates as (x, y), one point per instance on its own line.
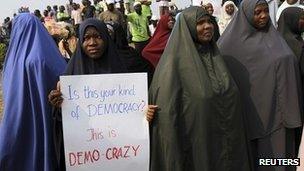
(150, 112)
(55, 96)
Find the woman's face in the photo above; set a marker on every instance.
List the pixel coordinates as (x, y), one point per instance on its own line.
(171, 22)
(205, 29)
(209, 8)
(301, 23)
(261, 16)
(229, 9)
(93, 45)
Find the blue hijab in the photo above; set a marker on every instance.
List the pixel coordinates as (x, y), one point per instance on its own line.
(31, 69)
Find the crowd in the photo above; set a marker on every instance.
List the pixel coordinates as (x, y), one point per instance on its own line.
(224, 91)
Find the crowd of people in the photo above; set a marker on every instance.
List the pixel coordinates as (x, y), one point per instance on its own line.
(224, 91)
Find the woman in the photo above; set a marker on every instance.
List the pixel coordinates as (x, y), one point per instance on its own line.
(287, 4)
(199, 124)
(291, 26)
(163, 7)
(263, 66)
(129, 56)
(228, 11)
(95, 54)
(31, 69)
(153, 51)
(209, 8)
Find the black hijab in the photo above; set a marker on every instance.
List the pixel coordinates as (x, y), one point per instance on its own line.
(129, 56)
(120, 36)
(288, 26)
(81, 64)
(263, 66)
(109, 62)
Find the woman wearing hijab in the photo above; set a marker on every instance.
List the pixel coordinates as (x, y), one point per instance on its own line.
(31, 69)
(228, 11)
(291, 26)
(199, 124)
(129, 56)
(263, 67)
(287, 4)
(153, 51)
(95, 54)
(209, 8)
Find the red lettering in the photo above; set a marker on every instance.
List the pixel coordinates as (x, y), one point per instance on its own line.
(113, 133)
(127, 149)
(87, 157)
(135, 149)
(109, 158)
(96, 155)
(79, 158)
(79, 154)
(119, 152)
(115, 151)
(72, 155)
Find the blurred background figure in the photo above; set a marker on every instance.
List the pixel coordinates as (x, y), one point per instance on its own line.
(228, 11)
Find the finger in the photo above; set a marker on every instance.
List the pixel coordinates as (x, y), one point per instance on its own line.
(150, 115)
(58, 86)
(58, 103)
(56, 99)
(53, 102)
(152, 106)
(52, 97)
(149, 119)
(55, 94)
(151, 111)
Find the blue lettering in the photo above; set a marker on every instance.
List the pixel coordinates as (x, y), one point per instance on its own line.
(92, 110)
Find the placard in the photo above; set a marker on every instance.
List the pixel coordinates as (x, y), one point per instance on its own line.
(104, 122)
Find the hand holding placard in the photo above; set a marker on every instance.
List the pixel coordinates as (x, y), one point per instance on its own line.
(104, 122)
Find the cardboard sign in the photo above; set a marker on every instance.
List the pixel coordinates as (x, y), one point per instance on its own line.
(104, 122)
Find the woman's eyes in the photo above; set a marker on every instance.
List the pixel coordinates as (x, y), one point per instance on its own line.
(88, 37)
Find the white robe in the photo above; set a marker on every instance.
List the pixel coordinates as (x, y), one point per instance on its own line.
(273, 9)
(217, 4)
(224, 18)
(286, 5)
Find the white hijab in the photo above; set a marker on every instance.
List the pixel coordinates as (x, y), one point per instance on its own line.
(225, 18)
(286, 5)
